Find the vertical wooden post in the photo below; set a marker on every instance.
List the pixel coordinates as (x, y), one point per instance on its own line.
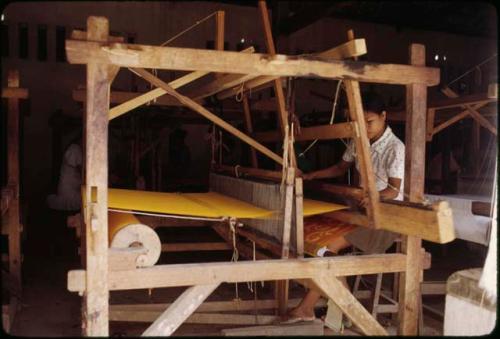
(299, 217)
(14, 226)
(96, 312)
(278, 89)
(416, 106)
(476, 146)
(219, 34)
(249, 128)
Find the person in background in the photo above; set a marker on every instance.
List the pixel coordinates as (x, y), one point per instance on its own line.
(68, 197)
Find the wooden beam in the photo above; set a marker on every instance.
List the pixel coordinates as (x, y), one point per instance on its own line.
(271, 50)
(95, 316)
(416, 106)
(482, 120)
(349, 49)
(323, 132)
(236, 305)
(180, 310)
(15, 93)
(121, 97)
(256, 172)
(433, 224)
(249, 129)
(310, 328)
(188, 59)
(362, 145)
(255, 85)
(13, 180)
(82, 35)
(493, 91)
(299, 217)
(231, 272)
(351, 307)
(457, 101)
(195, 246)
(154, 94)
(219, 34)
(212, 117)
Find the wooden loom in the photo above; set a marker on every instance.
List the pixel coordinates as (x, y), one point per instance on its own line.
(103, 58)
(11, 222)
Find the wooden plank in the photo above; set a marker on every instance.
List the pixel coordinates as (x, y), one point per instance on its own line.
(249, 129)
(434, 224)
(230, 272)
(457, 101)
(254, 85)
(350, 49)
(82, 35)
(13, 178)
(448, 123)
(299, 217)
(124, 258)
(434, 288)
(236, 305)
(120, 97)
(95, 315)
(323, 132)
(271, 50)
(231, 319)
(482, 120)
(219, 34)
(179, 311)
(212, 117)
(189, 59)
(351, 307)
(313, 328)
(416, 106)
(154, 94)
(15, 92)
(195, 246)
(341, 190)
(220, 84)
(362, 145)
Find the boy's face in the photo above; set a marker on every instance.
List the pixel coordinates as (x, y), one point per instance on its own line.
(375, 124)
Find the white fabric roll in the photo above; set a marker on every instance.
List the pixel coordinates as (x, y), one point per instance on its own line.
(141, 235)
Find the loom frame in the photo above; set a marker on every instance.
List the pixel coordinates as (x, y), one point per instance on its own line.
(98, 279)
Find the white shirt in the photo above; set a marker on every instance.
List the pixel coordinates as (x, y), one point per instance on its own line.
(69, 189)
(388, 159)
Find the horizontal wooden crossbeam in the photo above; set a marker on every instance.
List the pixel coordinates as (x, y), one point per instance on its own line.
(324, 132)
(15, 93)
(230, 272)
(188, 59)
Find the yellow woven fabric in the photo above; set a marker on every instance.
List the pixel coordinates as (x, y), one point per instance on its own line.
(210, 205)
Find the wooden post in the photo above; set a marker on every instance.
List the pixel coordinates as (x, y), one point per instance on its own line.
(96, 313)
(476, 146)
(248, 124)
(219, 34)
(278, 89)
(416, 106)
(14, 226)
(299, 217)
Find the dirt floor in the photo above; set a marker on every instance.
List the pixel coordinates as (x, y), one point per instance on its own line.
(48, 309)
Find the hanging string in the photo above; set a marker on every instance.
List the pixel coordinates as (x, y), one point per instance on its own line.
(239, 95)
(472, 69)
(235, 256)
(332, 117)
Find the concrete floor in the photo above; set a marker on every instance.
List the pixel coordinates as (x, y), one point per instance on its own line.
(49, 310)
